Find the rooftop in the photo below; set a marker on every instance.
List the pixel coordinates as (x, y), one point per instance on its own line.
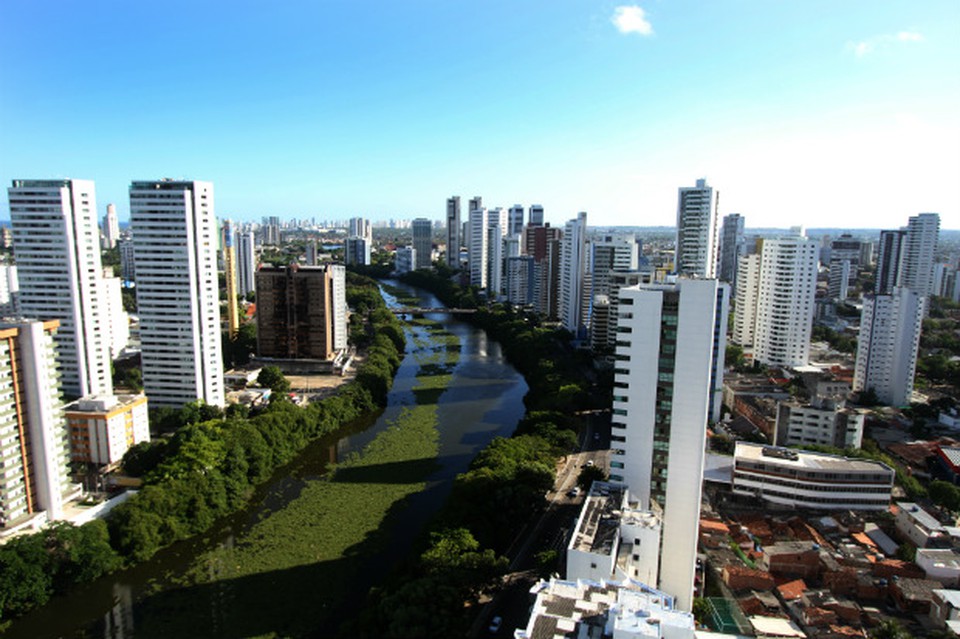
(952, 454)
(919, 515)
(806, 460)
(603, 511)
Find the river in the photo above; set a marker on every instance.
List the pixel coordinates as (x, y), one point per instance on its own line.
(484, 400)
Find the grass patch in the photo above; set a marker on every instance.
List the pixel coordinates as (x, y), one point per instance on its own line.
(289, 573)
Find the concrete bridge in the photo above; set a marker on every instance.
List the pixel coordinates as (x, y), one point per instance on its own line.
(410, 310)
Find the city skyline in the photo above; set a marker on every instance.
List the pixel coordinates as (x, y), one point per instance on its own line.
(329, 111)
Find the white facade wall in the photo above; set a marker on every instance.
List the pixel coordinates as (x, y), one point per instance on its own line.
(56, 243)
(785, 301)
(515, 220)
(890, 328)
(573, 260)
(520, 280)
(696, 244)
(9, 291)
(111, 227)
(811, 425)
(117, 320)
(246, 263)
(175, 239)
(662, 391)
(748, 291)
(338, 306)
(406, 259)
(536, 215)
(919, 250)
(478, 239)
(356, 251)
(940, 565)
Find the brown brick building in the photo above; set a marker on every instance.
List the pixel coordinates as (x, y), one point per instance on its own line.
(297, 312)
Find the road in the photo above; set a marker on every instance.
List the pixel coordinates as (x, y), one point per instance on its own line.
(550, 532)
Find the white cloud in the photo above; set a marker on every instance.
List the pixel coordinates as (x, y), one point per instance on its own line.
(869, 45)
(631, 19)
(910, 36)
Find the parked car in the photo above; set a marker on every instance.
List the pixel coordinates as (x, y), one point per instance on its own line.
(574, 492)
(495, 624)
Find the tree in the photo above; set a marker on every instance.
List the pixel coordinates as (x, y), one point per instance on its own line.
(590, 474)
(889, 629)
(271, 377)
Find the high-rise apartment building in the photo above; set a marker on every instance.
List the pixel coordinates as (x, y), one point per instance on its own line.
(406, 260)
(521, 280)
(423, 242)
(115, 324)
(542, 242)
(270, 231)
(907, 255)
(609, 253)
(486, 231)
(111, 227)
(34, 444)
(662, 390)
(536, 215)
(696, 246)
(923, 233)
(453, 231)
(515, 220)
(845, 252)
(298, 315)
(55, 239)
(890, 326)
(356, 251)
(246, 263)
(775, 300)
(573, 261)
(175, 240)
(732, 246)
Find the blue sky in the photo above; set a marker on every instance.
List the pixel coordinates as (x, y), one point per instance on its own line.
(816, 113)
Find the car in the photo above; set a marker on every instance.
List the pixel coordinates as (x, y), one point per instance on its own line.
(495, 624)
(574, 492)
(589, 463)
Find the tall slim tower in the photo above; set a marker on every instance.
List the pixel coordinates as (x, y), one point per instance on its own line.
(890, 326)
(573, 260)
(246, 262)
(175, 239)
(111, 227)
(889, 259)
(230, 274)
(55, 240)
(662, 391)
(453, 231)
(423, 241)
(731, 248)
(696, 245)
(923, 232)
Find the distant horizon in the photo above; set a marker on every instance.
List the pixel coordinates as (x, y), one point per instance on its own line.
(795, 113)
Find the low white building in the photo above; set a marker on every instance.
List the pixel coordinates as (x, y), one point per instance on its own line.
(587, 608)
(941, 565)
(916, 524)
(614, 539)
(406, 260)
(802, 479)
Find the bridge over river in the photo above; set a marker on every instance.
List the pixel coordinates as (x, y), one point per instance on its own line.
(404, 310)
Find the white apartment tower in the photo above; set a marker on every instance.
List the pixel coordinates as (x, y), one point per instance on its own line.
(453, 231)
(56, 243)
(887, 349)
(9, 291)
(111, 227)
(920, 247)
(776, 300)
(573, 260)
(423, 242)
(662, 391)
(477, 239)
(34, 441)
(175, 240)
(246, 263)
(696, 247)
(486, 231)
